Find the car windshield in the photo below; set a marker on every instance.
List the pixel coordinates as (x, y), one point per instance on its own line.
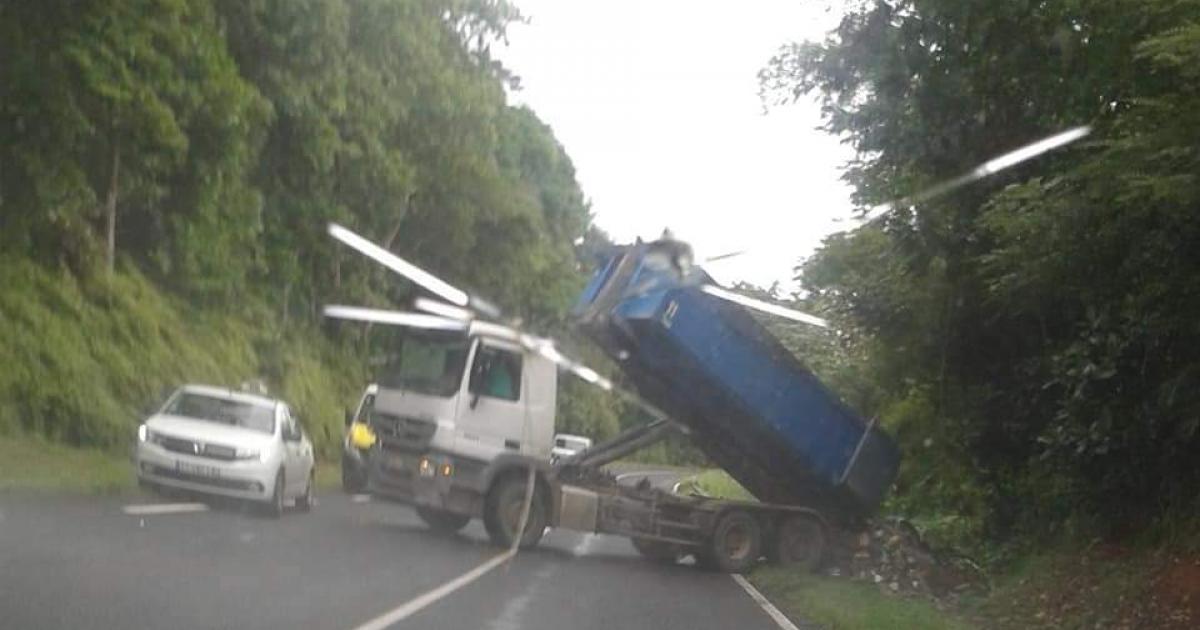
(426, 365)
(254, 416)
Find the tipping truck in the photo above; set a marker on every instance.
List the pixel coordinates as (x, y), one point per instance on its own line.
(461, 417)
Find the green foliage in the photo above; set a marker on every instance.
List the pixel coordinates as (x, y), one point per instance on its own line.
(222, 136)
(83, 364)
(1029, 338)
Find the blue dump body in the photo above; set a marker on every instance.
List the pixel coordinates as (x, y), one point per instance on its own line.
(748, 403)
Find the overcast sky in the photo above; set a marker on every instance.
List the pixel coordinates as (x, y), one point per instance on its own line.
(657, 104)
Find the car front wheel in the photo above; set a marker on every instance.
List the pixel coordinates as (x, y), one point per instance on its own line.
(305, 501)
(275, 506)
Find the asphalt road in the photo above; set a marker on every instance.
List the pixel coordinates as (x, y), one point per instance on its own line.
(82, 562)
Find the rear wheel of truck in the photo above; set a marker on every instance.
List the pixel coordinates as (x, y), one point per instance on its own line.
(442, 521)
(656, 550)
(736, 543)
(800, 542)
(502, 513)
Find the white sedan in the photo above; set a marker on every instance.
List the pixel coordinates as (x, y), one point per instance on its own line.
(229, 443)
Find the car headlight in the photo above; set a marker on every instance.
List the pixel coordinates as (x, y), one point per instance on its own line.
(143, 433)
(251, 453)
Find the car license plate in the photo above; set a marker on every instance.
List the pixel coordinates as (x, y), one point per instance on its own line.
(197, 470)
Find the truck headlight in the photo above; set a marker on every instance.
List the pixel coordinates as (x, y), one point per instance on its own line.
(426, 467)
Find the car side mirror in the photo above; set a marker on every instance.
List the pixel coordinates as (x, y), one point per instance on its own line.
(349, 417)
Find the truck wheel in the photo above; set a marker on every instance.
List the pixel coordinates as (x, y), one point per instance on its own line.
(502, 513)
(656, 550)
(736, 543)
(442, 521)
(800, 543)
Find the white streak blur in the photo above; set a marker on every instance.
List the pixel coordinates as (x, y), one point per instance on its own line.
(987, 169)
(393, 318)
(442, 309)
(1030, 151)
(380, 255)
(766, 307)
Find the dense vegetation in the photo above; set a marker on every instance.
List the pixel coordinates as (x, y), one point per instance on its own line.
(168, 167)
(1032, 339)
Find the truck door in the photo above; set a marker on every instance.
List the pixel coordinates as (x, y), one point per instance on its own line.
(491, 416)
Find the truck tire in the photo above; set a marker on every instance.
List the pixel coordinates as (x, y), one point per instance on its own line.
(656, 550)
(736, 543)
(502, 513)
(799, 543)
(442, 521)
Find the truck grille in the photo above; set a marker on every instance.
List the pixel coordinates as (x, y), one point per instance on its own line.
(189, 447)
(403, 432)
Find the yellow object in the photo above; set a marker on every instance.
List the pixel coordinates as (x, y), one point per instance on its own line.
(361, 436)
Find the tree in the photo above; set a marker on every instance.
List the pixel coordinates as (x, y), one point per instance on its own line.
(1035, 320)
(118, 105)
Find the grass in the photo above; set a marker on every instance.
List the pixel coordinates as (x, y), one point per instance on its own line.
(32, 463)
(717, 483)
(329, 474)
(840, 604)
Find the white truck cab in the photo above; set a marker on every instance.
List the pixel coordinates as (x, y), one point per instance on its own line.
(453, 414)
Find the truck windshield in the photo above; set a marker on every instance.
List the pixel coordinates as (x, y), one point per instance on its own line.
(427, 365)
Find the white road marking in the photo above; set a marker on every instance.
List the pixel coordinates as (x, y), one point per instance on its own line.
(416, 605)
(163, 508)
(360, 498)
(780, 619)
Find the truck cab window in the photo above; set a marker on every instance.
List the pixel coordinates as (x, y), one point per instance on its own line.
(496, 374)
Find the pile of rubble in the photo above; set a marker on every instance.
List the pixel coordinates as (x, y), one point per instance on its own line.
(892, 554)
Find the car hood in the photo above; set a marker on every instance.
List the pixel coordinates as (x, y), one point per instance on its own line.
(207, 432)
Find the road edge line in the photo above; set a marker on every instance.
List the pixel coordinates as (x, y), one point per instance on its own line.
(780, 619)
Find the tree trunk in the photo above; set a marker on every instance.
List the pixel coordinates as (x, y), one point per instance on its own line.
(110, 209)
